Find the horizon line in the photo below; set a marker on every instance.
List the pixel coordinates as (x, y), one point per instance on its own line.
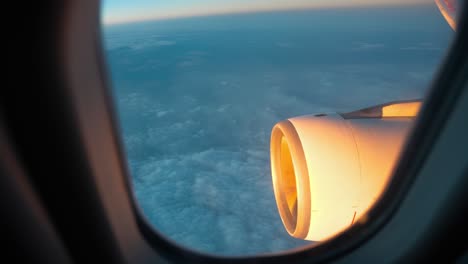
(260, 9)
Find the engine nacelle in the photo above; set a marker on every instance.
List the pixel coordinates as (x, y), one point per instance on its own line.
(327, 170)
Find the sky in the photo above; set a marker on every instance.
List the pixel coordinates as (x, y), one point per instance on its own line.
(123, 11)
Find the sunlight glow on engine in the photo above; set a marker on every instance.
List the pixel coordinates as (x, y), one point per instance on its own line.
(409, 109)
(328, 170)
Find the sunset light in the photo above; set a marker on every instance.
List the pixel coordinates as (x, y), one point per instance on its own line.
(121, 11)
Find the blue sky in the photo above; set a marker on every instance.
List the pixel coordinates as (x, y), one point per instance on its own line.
(122, 11)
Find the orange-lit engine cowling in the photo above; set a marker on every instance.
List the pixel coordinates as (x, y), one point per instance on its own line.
(328, 170)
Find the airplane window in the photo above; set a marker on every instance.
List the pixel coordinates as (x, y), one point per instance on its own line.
(260, 126)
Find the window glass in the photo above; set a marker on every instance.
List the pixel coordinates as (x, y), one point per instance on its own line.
(199, 86)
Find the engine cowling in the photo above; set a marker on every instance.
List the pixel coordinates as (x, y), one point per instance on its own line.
(328, 170)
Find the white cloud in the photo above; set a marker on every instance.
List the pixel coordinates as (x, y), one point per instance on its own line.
(425, 46)
(367, 46)
(160, 43)
(284, 44)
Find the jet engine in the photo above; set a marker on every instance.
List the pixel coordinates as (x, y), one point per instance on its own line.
(328, 169)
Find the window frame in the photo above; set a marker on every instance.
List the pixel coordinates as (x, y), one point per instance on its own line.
(85, 86)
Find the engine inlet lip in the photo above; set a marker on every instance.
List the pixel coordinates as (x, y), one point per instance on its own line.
(296, 223)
